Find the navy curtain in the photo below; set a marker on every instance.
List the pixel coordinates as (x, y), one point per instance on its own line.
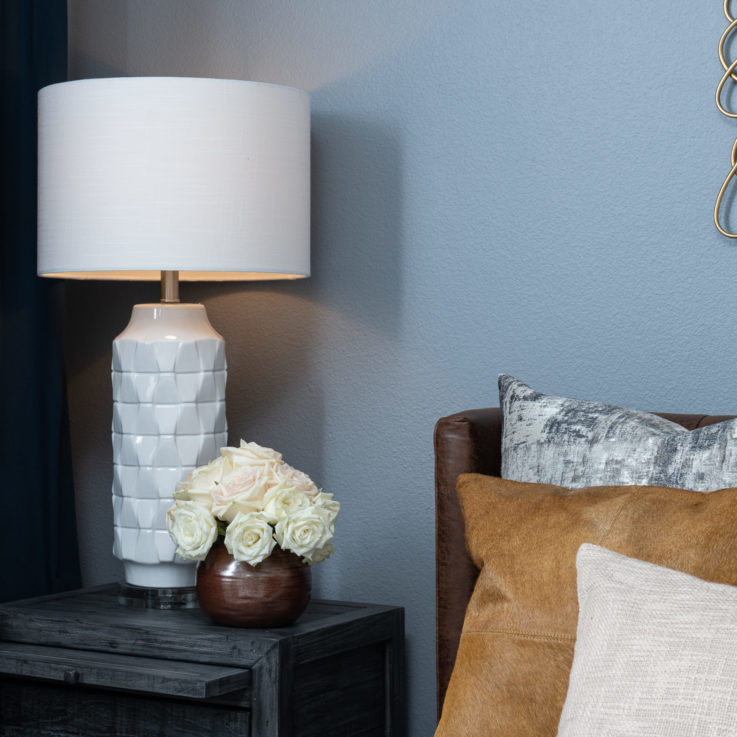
(38, 540)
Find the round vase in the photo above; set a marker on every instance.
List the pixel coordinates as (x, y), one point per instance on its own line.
(271, 594)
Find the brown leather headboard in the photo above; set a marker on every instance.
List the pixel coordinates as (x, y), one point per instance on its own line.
(471, 442)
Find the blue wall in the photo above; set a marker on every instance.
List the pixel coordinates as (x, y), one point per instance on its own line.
(498, 186)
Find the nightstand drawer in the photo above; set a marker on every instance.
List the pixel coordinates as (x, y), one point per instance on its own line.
(31, 708)
(131, 673)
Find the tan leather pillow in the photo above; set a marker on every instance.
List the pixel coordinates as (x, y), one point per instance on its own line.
(511, 672)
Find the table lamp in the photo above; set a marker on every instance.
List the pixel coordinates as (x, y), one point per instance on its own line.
(169, 178)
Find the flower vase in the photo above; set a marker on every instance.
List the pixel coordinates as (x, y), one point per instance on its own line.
(272, 593)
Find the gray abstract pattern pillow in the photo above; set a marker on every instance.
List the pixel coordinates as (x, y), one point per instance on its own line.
(577, 443)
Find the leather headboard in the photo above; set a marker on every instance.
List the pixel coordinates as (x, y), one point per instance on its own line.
(471, 442)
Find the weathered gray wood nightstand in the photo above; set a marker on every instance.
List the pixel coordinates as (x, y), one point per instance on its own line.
(81, 664)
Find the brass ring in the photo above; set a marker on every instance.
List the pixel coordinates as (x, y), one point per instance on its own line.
(722, 190)
(722, 42)
(720, 87)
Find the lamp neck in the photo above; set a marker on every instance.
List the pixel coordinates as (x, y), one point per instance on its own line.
(170, 286)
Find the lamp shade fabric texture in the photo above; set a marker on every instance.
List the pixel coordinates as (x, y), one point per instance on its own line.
(208, 177)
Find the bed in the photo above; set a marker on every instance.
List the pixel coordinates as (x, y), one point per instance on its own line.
(470, 441)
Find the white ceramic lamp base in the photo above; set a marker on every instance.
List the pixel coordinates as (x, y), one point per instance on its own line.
(169, 375)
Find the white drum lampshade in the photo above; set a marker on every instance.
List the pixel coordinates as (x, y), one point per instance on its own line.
(170, 178)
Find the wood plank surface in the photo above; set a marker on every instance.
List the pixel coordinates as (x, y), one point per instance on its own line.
(169, 677)
(344, 631)
(96, 621)
(93, 619)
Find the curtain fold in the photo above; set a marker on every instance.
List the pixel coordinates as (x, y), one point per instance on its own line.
(38, 539)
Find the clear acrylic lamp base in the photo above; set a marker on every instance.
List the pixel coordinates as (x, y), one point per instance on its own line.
(169, 375)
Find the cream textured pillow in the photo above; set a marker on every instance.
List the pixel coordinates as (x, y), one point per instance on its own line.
(655, 654)
(576, 443)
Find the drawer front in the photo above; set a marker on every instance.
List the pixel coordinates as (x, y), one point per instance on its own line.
(32, 709)
(109, 670)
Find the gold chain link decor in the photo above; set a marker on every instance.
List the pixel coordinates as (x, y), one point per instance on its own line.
(729, 73)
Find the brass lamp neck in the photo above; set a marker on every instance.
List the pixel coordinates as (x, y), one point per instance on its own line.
(170, 286)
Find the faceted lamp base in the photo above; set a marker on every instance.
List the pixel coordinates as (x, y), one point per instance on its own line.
(169, 375)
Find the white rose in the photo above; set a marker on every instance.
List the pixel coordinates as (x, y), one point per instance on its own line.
(285, 472)
(205, 477)
(320, 555)
(326, 502)
(241, 490)
(251, 454)
(282, 500)
(250, 538)
(200, 484)
(192, 528)
(305, 531)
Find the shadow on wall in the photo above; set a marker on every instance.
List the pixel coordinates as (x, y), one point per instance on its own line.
(95, 312)
(357, 220)
(357, 286)
(273, 395)
(99, 37)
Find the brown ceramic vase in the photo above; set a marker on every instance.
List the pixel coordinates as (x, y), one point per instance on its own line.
(271, 594)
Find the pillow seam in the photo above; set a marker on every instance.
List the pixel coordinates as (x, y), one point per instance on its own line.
(518, 633)
(626, 501)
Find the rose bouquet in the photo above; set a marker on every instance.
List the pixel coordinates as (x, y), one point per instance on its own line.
(255, 500)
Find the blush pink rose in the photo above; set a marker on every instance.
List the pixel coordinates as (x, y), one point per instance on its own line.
(240, 491)
(284, 473)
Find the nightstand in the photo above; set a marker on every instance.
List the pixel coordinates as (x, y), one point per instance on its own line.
(81, 664)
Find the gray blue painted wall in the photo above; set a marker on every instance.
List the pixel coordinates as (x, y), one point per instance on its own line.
(498, 186)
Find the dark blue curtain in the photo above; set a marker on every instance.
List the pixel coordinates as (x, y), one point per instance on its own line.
(38, 539)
